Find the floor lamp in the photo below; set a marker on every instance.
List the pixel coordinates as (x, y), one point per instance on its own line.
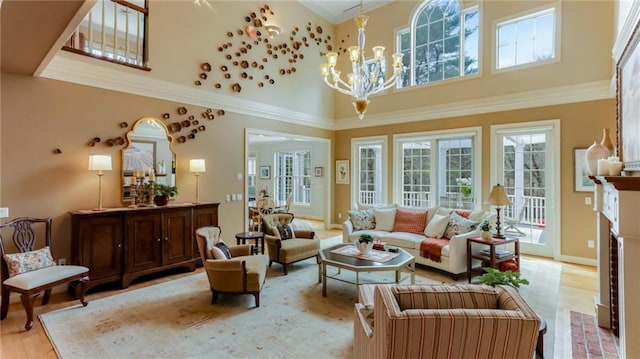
(498, 197)
(100, 163)
(197, 166)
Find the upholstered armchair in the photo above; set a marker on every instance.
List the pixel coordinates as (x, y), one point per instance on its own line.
(460, 321)
(243, 273)
(286, 245)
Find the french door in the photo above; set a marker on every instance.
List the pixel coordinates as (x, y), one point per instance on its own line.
(525, 160)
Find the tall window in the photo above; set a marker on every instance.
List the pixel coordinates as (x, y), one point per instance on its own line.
(526, 39)
(437, 169)
(293, 175)
(114, 30)
(442, 43)
(251, 178)
(369, 167)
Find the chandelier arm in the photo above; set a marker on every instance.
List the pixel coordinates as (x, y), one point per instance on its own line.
(335, 87)
(340, 81)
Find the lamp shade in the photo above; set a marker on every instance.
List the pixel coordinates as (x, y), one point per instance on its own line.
(197, 165)
(498, 196)
(100, 163)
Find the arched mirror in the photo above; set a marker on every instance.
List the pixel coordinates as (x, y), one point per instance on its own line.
(149, 148)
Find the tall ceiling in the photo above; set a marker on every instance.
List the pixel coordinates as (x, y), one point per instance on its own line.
(337, 11)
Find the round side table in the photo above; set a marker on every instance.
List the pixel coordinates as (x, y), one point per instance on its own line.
(258, 237)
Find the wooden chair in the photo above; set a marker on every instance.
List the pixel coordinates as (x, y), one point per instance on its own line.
(37, 276)
(264, 206)
(287, 207)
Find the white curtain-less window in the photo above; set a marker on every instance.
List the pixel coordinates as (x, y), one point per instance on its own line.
(369, 177)
(442, 43)
(527, 39)
(437, 170)
(293, 175)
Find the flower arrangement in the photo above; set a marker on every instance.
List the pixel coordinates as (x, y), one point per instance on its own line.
(365, 238)
(465, 186)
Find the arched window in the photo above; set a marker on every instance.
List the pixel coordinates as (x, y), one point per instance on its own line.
(442, 43)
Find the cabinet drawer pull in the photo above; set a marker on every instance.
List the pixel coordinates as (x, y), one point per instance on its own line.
(158, 239)
(166, 239)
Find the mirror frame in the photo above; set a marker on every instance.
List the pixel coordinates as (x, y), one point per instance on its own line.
(122, 154)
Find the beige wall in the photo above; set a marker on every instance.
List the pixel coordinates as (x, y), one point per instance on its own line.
(584, 56)
(39, 115)
(580, 123)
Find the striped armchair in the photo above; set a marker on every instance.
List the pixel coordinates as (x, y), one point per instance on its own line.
(463, 321)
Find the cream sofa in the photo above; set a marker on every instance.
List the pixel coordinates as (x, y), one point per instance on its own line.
(460, 321)
(453, 256)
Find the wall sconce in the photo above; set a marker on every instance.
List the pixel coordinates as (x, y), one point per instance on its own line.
(498, 197)
(196, 166)
(100, 163)
(273, 30)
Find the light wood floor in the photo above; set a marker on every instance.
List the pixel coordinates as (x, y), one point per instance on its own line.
(578, 286)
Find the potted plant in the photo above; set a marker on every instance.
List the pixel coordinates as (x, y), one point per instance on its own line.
(365, 243)
(485, 227)
(162, 192)
(494, 277)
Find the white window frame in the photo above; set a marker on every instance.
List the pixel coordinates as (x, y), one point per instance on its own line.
(356, 143)
(398, 140)
(295, 177)
(557, 48)
(411, 29)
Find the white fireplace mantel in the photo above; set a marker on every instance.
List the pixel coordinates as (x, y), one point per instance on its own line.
(617, 204)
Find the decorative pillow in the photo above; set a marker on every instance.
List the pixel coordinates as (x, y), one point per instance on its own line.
(224, 249)
(437, 226)
(410, 221)
(28, 261)
(362, 219)
(458, 224)
(217, 253)
(385, 218)
(285, 231)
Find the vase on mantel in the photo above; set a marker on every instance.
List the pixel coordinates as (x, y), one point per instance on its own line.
(598, 151)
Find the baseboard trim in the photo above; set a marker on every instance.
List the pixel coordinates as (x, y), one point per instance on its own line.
(579, 260)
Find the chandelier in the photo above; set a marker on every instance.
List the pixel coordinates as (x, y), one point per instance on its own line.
(364, 79)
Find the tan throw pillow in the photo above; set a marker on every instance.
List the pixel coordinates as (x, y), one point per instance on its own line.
(385, 218)
(410, 221)
(19, 263)
(437, 226)
(458, 224)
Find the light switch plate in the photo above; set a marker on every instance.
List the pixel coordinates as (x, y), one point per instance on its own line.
(239, 196)
(228, 197)
(239, 176)
(233, 197)
(4, 212)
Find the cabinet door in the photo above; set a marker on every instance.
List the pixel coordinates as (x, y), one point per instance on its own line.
(177, 236)
(203, 215)
(144, 244)
(98, 242)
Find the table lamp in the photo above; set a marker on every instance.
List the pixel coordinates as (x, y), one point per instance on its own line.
(196, 166)
(100, 163)
(498, 197)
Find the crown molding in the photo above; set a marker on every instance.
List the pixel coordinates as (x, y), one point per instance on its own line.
(591, 91)
(91, 72)
(623, 37)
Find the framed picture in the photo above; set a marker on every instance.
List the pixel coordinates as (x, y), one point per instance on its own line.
(582, 183)
(139, 156)
(265, 172)
(317, 171)
(628, 95)
(342, 172)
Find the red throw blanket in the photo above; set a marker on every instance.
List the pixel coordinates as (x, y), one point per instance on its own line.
(432, 247)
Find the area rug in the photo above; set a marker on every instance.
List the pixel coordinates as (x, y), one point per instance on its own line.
(589, 341)
(177, 319)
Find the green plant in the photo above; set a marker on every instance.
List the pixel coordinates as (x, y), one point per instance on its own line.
(365, 238)
(160, 189)
(485, 226)
(494, 277)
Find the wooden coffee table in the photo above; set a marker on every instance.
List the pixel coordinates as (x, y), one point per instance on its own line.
(404, 260)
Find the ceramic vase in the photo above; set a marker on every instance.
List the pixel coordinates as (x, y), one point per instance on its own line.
(364, 248)
(595, 152)
(606, 140)
(486, 235)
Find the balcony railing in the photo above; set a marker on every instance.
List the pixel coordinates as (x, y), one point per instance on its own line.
(533, 210)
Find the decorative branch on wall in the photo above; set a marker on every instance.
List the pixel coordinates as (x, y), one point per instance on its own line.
(254, 37)
(180, 128)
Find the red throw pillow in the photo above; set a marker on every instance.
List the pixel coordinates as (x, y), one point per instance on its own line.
(410, 221)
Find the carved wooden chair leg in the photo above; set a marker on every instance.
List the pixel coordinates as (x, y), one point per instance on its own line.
(256, 295)
(214, 296)
(46, 296)
(27, 302)
(5, 303)
(284, 267)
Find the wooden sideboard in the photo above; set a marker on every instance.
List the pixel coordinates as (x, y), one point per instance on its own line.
(120, 245)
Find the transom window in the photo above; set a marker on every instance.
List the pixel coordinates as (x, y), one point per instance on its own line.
(527, 39)
(115, 31)
(442, 43)
(437, 169)
(293, 175)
